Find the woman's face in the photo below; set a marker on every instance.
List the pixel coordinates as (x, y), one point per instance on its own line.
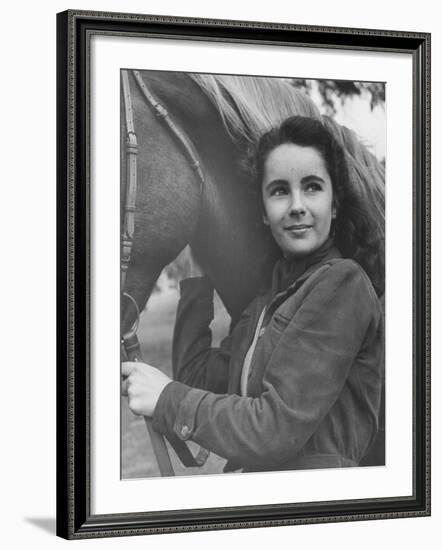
(298, 199)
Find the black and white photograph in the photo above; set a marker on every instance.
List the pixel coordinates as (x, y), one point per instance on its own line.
(221, 272)
(252, 273)
(243, 274)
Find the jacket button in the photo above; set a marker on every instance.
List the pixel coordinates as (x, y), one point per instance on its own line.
(185, 431)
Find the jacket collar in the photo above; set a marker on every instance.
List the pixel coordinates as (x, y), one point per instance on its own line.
(288, 274)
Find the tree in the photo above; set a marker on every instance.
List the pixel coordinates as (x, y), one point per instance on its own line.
(332, 91)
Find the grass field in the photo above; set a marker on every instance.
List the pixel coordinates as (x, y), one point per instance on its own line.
(155, 335)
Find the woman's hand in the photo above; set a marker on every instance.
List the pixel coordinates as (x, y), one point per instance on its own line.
(143, 385)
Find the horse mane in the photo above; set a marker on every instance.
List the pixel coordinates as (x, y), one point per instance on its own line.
(366, 173)
(250, 106)
(367, 176)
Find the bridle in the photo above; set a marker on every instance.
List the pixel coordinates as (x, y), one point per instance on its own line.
(185, 145)
(130, 346)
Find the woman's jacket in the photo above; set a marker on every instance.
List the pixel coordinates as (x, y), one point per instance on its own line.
(315, 379)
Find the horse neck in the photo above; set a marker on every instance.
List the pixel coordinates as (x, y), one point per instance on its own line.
(230, 240)
(167, 200)
(223, 223)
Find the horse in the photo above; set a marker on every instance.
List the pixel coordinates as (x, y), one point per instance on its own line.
(221, 219)
(194, 133)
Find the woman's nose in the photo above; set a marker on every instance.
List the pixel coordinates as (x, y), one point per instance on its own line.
(297, 206)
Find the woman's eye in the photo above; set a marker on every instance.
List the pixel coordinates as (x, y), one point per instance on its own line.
(313, 186)
(278, 191)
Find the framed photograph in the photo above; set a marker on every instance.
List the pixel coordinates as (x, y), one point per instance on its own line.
(243, 274)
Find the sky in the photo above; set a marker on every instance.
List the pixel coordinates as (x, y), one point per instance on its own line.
(356, 114)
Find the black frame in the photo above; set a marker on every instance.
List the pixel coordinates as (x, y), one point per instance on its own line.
(74, 519)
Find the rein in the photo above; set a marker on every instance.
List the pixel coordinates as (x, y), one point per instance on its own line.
(183, 141)
(130, 346)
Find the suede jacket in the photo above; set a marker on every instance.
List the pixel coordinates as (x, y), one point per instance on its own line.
(315, 379)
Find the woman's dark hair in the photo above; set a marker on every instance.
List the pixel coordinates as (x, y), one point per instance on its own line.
(358, 227)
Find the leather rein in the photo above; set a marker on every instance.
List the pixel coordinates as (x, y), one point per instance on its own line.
(130, 346)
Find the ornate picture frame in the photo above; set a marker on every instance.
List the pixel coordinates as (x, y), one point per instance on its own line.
(77, 405)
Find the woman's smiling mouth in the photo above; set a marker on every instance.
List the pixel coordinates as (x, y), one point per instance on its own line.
(298, 229)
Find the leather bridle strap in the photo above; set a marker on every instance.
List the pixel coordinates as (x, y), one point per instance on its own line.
(129, 342)
(183, 140)
(130, 346)
(131, 181)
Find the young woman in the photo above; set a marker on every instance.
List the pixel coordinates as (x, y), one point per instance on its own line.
(297, 384)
